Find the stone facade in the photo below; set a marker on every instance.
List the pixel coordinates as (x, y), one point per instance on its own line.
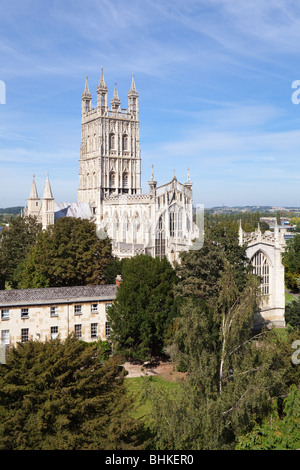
(264, 250)
(42, 314)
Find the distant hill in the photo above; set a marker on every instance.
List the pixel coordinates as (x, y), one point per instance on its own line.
(261, 209)
(11, 210)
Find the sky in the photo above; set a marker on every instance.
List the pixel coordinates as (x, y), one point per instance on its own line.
(215, 81)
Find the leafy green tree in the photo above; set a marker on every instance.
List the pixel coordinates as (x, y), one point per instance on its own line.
(291, 261)
(58, 396)
(276, 432)
(15, 242)
(292, 314)
(200, 270)
(67, 253)
(232, 372)
(144, 307)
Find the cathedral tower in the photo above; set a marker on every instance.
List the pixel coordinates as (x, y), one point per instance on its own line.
(110, 161)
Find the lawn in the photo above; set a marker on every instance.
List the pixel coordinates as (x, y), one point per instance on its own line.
(289, 298)
(136, 386)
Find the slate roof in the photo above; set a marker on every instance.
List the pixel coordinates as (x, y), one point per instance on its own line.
(16, 297)
(78, 210)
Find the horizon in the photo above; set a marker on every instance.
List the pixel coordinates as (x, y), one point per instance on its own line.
(216, 84)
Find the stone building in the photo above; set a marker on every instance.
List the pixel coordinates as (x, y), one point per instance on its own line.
(264, 251)
(45, 313)
(158, 223)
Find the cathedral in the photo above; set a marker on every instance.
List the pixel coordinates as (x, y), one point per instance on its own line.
(159, 223)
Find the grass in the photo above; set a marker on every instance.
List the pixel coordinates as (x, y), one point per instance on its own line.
(136, 386)
(289, 298)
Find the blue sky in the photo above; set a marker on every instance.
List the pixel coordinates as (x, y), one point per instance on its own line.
(214, 80)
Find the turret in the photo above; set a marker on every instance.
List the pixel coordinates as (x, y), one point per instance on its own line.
(33, 202)
(188, 184)
(47, 205)
(102, 93)
(152, 184)
(133, 100)
(86, 98)
(115, 102)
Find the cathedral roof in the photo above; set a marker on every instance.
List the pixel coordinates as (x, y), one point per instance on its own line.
(79, 210)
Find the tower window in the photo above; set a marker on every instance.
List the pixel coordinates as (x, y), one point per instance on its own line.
(125, 180)
(125, 142)
(112, 179)
(111, 141)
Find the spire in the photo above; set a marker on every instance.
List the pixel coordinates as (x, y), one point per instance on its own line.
(188, 184)
(47, 189)
(33, 192)
(115, 102)
(188, 176)
(152, 183)
(133, 88)
(102, 82)
(116, 96)
(86, 88)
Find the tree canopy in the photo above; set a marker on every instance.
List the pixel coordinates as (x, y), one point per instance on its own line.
(59, 396)
(233, 371)
(291, 261)
(16, 240)
(144, 307)
(67, 253)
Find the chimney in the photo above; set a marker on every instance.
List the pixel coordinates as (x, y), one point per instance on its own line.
(119, 280)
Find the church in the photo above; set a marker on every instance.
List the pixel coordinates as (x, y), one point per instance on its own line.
(159, 223)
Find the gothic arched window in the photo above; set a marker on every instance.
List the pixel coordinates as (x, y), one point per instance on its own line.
(172, 223)
(112, 179)
(160, 239)
(261, 269)
(125, 142)
(125, 180)
(111, 141)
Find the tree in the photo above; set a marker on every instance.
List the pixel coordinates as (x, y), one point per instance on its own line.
(200, 270)
(67, 253)
(233, 373)
(292, 314)
(291, 261)
(58, 396)
(144, 307)
(276, 432)
(16, 240)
